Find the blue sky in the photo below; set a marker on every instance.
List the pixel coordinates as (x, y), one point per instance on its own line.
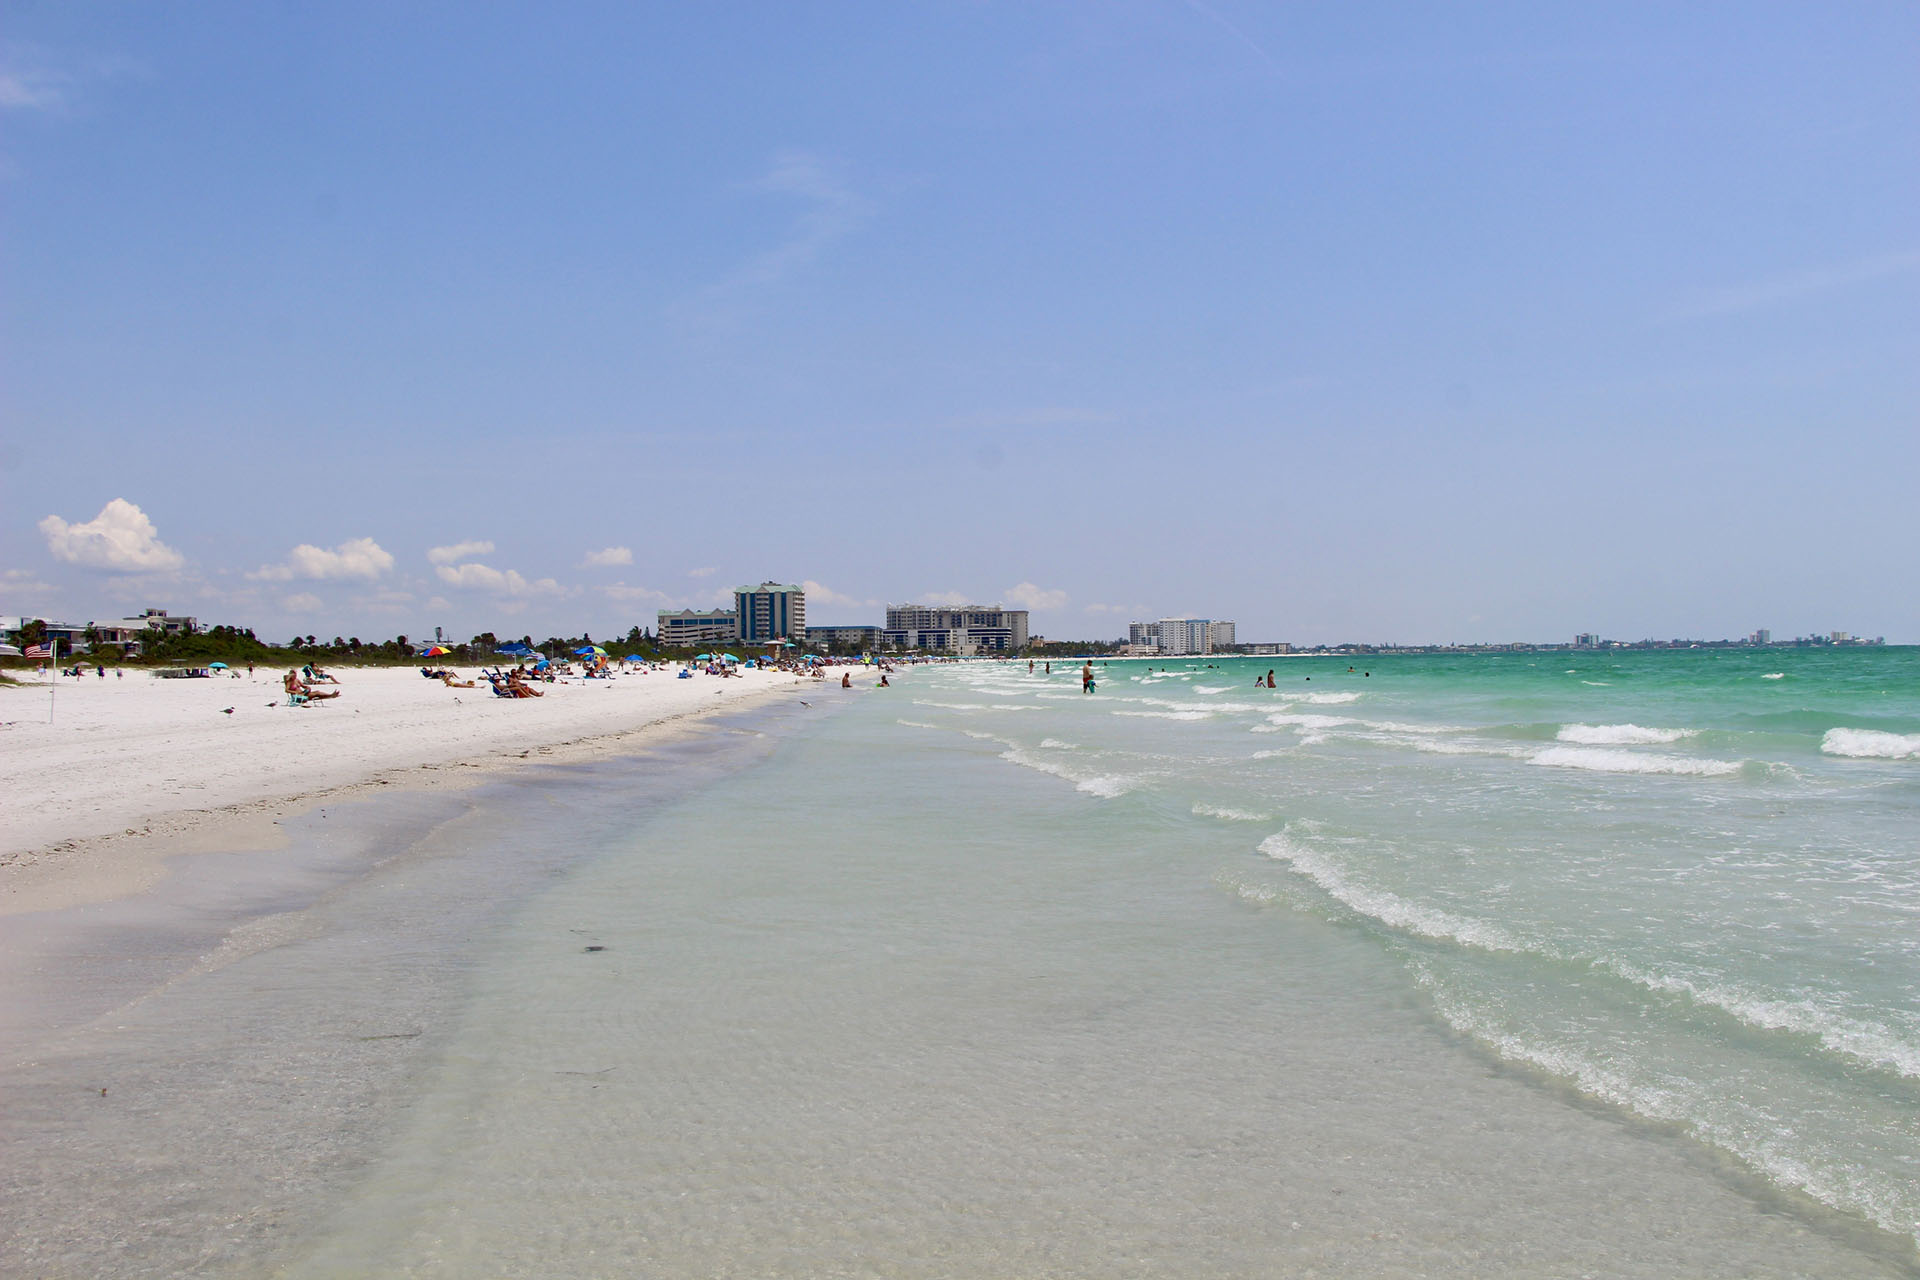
(1349, 322)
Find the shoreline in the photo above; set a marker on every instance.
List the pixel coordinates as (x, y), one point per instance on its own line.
(112, 818)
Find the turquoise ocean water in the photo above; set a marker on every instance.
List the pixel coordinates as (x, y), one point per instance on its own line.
(1528, 965)
(1685, 883)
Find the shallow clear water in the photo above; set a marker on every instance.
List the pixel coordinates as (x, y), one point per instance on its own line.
(982, 976)
(1686, 883)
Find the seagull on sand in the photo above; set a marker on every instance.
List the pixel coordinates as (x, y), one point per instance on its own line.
(226, 711)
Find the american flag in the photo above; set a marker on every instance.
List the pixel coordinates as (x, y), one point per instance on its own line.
(38, 651)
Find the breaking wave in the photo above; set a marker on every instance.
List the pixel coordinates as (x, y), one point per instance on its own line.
(1619, 734)
(1379, 904)
(1870, 744)
(1604, 760)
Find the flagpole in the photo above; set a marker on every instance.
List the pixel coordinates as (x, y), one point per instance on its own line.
(53, 669)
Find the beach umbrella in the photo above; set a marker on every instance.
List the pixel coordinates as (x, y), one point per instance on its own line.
(728, 657)
(703, 657)
(515, 649)
(435, 651)
(220, 665)
(589, 650)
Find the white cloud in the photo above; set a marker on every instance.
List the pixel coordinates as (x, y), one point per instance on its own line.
(507, 582)
(35, 90)
(120, 538)
(628, 595)
(16, 580)
(1029, 596)
(304, 602)
(830, 210)
(707, 572)
(951, 599)
(458, 551)
(607, 558)
(355, 558)
(1799, 284)
(821, 593)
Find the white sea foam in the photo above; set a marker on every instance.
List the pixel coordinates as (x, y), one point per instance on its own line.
(1599, 684)
(1212, 688)
(1607, 760)
(1187, 704)
(1105, 785)
(1054, 744)
(1673, 1101)
(1269, 755)
(1293, 720)
(1864, 1041)
(917, 724)
(1395, 726)
(1444, 747)
(1379, 904)
(1196, 714)
(1774, 675)
(952, 706)
(1862, 744)
(1596, 735)
(1231, 815)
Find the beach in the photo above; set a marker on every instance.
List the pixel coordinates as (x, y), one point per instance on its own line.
(981, 975)
(105, 777)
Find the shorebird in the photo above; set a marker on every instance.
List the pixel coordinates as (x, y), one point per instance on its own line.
(227, 711)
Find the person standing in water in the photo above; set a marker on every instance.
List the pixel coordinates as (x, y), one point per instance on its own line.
(1269, 679)
(1086, 677)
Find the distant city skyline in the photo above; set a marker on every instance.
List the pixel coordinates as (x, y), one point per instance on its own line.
(1476, 324)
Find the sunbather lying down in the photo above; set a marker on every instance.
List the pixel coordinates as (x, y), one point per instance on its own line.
(512, 686)
(302, 691)
(446, 678)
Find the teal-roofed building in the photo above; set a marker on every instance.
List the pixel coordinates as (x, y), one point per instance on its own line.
(771, 611)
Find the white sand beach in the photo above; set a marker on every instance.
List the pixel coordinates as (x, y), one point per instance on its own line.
(101, 779)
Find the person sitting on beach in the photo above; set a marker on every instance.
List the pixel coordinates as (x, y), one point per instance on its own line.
(846, 679)
(300, 692)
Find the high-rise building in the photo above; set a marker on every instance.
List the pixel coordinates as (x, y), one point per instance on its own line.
(1219, 636)
(771, 611)
(1145, 635)
(1762, 636)
(969, 628)
(1185, 636)
(698, 626)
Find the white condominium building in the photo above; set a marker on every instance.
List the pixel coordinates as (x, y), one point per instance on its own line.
(971, 628)
(1177, 636)
(1186, 635)
(698, 626)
